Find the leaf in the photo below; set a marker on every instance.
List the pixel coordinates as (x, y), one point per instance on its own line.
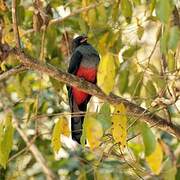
(56, 141)
(168, 170)
(148, 139)
(164, 42)
(130, 52)
(101, 12)
(150, 89)
(136, 2)
(174, 37)
(93, 131)
(102, 45)
(61, 128)
(123, 80)
(106, 73)
(55, 3)
(126, 8)
(51, 39)
(115, 11)
(92, 18)
(171, 61)
(119, 125)
(3, 6)
(163, 10)
(152, 6)
(140, 32)
(64, 127)
(6, 139)
(20, 14)
(135, 87)
(155, 159)
(104, 116)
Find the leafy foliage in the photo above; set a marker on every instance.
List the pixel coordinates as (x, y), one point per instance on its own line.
(138, 42)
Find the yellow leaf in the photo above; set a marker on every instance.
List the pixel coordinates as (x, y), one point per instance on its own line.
(106, 73)
(92, 19)
(102, 45)
(154, 160)
(56, 141)
(61, 128)
(85, 3)
(119, 125)
(64, 127)
(94, 131)
(3, 6)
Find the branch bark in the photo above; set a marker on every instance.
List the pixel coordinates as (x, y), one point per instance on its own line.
(61, 19)
(15, 25)
(84, 9)
(141, 113)
(36, 153)
(13, 71)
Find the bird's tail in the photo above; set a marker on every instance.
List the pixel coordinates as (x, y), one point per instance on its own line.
(76, 122)
(76, 128)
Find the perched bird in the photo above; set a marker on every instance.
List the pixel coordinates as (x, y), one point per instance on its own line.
(83, 63)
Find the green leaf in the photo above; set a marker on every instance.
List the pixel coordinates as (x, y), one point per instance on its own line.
(174, 37)
(140, 32)
(6, 140)
(123, 80)
(135, 87)
(115, 11)
(150, 89)
(126, 8)
(148, 139)
(56, 3)
(164, 42)
(130, 52)
(168, 170)
(51, 39)
(20, 14)
(136, 2)
(171, 61)
(101, 12)
(92, 18)
(152, 6)
(104, 116)
(163, 10)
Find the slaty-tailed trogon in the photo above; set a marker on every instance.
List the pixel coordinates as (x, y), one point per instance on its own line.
(83, 63)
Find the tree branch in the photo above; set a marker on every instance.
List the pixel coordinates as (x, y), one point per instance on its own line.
(84, 9)
(12, 71)
(36, 153)
(15, 25)
(176, 16)
(141, 113)
(61, 19)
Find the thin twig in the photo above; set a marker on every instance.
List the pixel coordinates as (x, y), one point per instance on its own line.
(79, 11)
(15, 24)
(13, 71)
(36, 153)
(74, 13)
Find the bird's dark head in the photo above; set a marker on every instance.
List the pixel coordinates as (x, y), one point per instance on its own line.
(78, 41)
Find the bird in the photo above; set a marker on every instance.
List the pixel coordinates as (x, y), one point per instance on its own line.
(83, 64)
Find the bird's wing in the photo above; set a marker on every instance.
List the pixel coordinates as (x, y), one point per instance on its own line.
(75, 62)
(73, 67)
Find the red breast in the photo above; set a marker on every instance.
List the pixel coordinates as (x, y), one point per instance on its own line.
(88, 74)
